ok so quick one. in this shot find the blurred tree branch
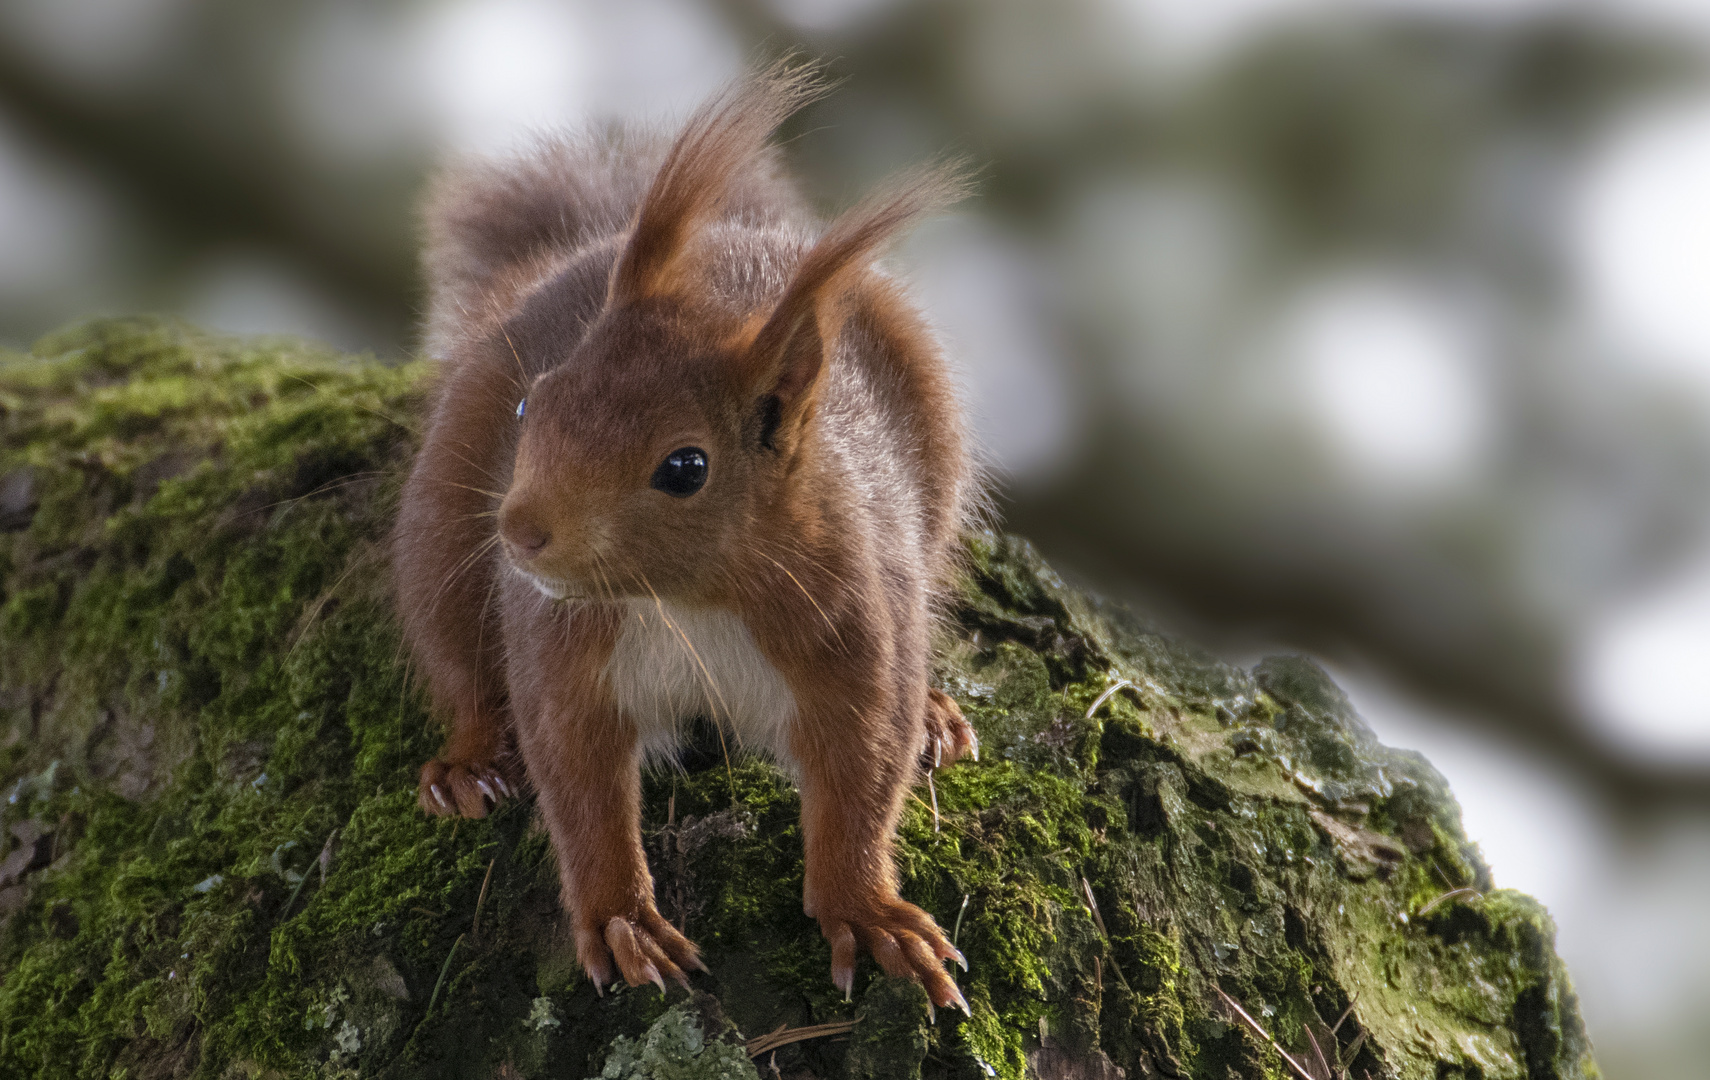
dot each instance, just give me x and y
(218, 177)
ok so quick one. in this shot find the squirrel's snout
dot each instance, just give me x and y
(526, 537)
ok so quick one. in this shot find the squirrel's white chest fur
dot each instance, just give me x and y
(672, 663)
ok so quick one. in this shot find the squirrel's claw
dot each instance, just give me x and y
(651, 974)
(843, 946)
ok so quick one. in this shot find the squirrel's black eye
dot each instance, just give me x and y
(682, 473)
(520, 406)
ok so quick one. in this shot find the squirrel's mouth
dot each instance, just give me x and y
(551, 587)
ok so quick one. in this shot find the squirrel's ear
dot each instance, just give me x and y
(786, 354)
(726, 133)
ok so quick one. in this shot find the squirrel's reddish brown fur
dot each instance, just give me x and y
(598, 306)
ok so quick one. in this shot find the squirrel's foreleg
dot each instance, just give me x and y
(581, 757)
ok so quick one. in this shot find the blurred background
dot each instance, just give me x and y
(1376, 329)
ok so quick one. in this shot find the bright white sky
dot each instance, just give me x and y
(1643, 241)
(1391, 381)
(1642, 249)
(1643, 668)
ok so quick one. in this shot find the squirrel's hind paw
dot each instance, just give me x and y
(948, 735)
(452, 788)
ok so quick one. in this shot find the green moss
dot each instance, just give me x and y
(206, 710)
(890, 1039)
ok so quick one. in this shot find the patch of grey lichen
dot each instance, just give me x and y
(213, 865)
(678, 1046)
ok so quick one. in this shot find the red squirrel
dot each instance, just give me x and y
(692, 454)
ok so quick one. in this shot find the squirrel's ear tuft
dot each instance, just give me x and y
(787, 353)
(726, 133)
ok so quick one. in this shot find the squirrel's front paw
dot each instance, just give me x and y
(469, 788)
(948, 734)
(903, 939)
(645, 947)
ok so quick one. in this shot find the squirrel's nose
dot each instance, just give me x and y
(521, 533)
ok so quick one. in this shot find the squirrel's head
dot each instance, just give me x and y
(647, 456)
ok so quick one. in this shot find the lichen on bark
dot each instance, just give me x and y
(214, 865)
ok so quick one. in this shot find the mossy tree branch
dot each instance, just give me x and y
(211, 744)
